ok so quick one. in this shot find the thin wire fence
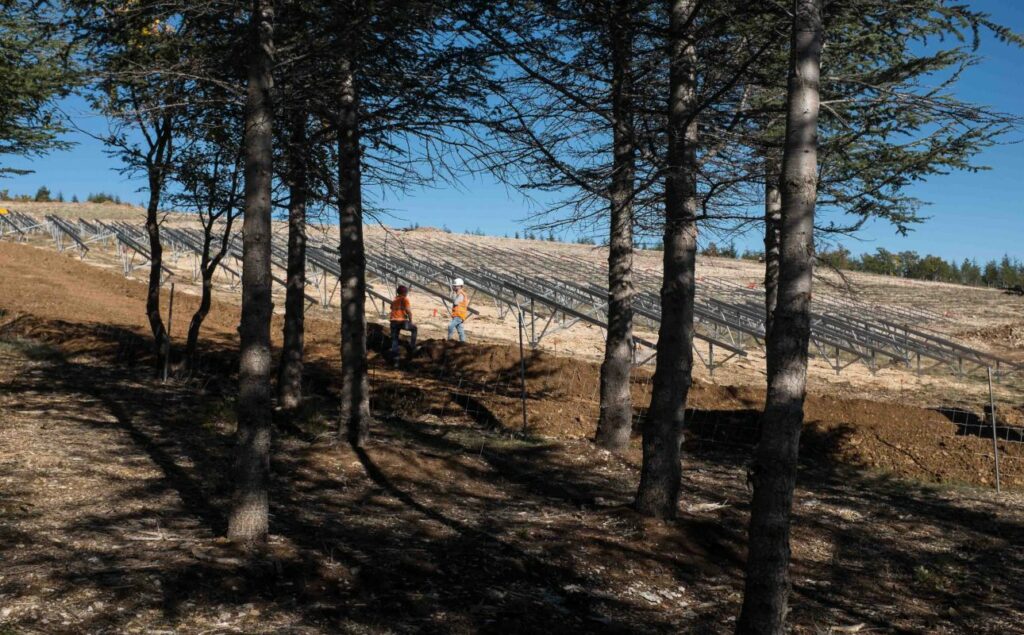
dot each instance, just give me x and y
(954, 442)
(998, 428)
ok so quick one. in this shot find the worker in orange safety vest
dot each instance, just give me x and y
(460, 310)
(401, 319)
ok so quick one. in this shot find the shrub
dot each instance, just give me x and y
(103, 197)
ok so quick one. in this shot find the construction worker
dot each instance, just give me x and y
(460, 310)
(401, 318)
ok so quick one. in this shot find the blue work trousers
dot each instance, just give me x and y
(456, 325)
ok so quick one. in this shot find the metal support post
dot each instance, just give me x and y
(167, 337)
(533, 329)
(995, 440)
(522, 368)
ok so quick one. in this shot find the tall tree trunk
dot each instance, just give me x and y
(156, 252)
(615, 424)
(192, 344)
(660, 474)
(207, 267)
(248, 522)
(355, 387)
(289, 379)
(775, 462)
(772, 227)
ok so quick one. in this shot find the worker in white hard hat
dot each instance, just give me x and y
(460, 310)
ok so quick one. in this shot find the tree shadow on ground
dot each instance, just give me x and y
(456, 526)
(401, 561)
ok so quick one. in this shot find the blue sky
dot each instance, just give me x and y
(975, 215)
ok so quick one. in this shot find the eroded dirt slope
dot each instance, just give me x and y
(902, 439)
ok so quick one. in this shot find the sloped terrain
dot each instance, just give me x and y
(562, 393)
(981, 318)
(113, 491)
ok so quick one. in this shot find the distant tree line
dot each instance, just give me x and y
(1001, 273)
(1005, 272)
(45, 195)
(42, 195)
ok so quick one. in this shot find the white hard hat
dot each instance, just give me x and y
(457, 282)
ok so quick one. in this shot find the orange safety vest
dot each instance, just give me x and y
(461, 310)
(400, 308)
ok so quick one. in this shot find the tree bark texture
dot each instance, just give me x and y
(661, 472)
(772, 227)
(155, 167)
(289, 379)
(192, 344)
(355, 387)
(775, 460)
(248, 522)
(615, 424)
(207, 267)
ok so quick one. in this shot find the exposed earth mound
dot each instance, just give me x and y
(44, 294)
(1005, 335)
(562, 402)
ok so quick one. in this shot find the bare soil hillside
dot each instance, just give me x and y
(967, 309)
(114, 489)
(88, 211)
(982, 318)
(920, 442)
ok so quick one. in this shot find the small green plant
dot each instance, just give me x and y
(929, 578)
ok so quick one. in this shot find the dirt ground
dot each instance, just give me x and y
(942, 441)
(113, 491)
(982, 318)
(114, 487)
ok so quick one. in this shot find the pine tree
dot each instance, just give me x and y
(289, 378)
(207, 172)
(658, 493)
(34, 75)
(249, 519)
(887, 124)
(392, 80)
(773, 471)
(134, 58)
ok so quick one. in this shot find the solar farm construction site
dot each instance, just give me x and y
(898, 428)
(865, 329)
(929, 345)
